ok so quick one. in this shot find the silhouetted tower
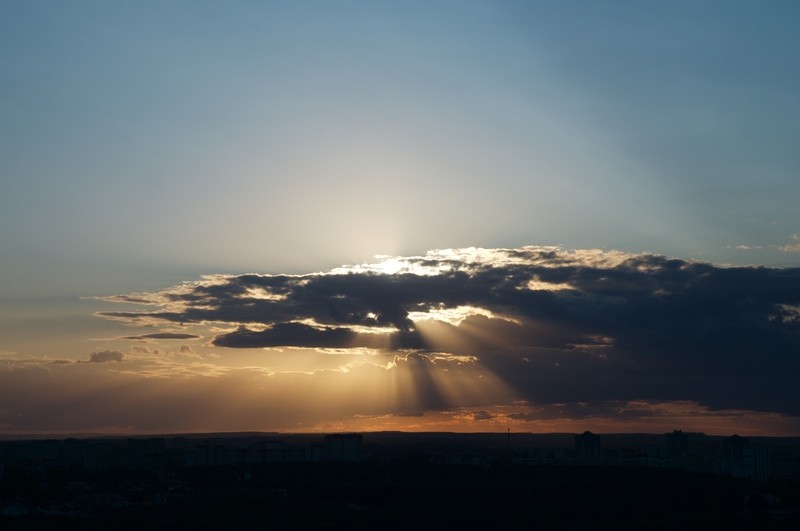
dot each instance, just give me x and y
(588, 448)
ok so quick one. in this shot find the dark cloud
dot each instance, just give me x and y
(163, 335)
(482, 415)
(557, 326)
(104, 356)
(302, 335)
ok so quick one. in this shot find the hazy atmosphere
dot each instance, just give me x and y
(423, 216)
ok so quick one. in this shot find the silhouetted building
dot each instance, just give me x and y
(740, 459)
(762, 464)
(733, 448)
(588, 448)
(342, 447)
(677, 445)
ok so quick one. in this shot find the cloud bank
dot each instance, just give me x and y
(555, 325)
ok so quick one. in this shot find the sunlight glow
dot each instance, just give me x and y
(394, 265)
(261, 293)
(536, 284)
(454, 316)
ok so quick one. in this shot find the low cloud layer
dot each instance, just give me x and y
(555, 326)
(165, 392)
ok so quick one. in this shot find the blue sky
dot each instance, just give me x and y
(143, 144)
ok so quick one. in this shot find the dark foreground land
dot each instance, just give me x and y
(402, 495)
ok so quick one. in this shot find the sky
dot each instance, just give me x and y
(351, 216)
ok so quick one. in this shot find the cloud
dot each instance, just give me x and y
(482, 415)
(162, 335)
(791, 247)
(104, 356)
(302, 335)
(555, 325)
